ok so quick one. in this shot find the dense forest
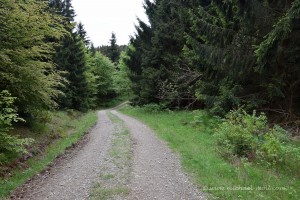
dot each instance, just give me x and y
(218, 55)
(234, 63)
(47, 63)
(113, 50)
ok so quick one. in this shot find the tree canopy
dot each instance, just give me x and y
(218, 54)
(26, 67)
(46, 63)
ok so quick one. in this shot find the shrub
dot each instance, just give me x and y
(249, 136)
(205, 120)
(152, 108)
(9, 144)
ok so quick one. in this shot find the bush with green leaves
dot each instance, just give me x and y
(152, 108)
(28, 37)
(249, 136)
(9, 144)
(206, 120)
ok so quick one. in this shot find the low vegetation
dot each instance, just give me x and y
(48, 140)
(246, 136)
(238, 157)
(50, 73)
(217, 55)
(115, 171)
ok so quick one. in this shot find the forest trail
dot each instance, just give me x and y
(122, 159)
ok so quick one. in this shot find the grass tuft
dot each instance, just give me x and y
(79, 126)
(192, 136)
(116, 169)
(108, 193)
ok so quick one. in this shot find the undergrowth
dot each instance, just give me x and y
(197, 137)
(115, 171)
(248, 136)
(51, 137)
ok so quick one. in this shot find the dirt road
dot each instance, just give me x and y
(123, 159)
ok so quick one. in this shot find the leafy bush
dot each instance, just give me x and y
(9, 144)
(248, 136)
(208, 122)
(152, 108)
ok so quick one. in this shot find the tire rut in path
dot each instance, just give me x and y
(156, 170)
(72, 180)
(116, 168)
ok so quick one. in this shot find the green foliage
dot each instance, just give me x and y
(248, 136)
(122, 83)
(280, 30)
(82, 34)
(26, 69)
(89, 76)
(196, 146)
(103, 71)
(158, 71)
(9, 144)
(114, 53)
(152, 108)
(206, 120)
(219, 54)
(73, 123)
(240, 133)
(71, 58)
(113, 50)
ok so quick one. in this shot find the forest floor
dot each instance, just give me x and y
(121, 159)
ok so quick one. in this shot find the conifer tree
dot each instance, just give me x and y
(159, 48)
(82, 33)
(71, 59)
(113, 49)
(92, 49)
(221, 42)
(218, 53)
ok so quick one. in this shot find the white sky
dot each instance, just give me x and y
(102, 17)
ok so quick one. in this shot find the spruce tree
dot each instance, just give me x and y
(160, 63)
(70, 58)
(82, 33)
(218, 53)
(113, 49)
(221, 43)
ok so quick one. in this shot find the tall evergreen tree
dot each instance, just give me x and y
(114, 52)
(93, 49)
(70, 57)
(221, 43)
(220, 53)
(82, 33)
(164, 75)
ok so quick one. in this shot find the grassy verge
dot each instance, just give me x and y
(115, 172)
(67, 131)
(196, 144)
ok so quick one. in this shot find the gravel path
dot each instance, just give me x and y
(156, 170)
(151, 171)
(72, 180)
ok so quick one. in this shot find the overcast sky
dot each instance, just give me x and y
(102, 17)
